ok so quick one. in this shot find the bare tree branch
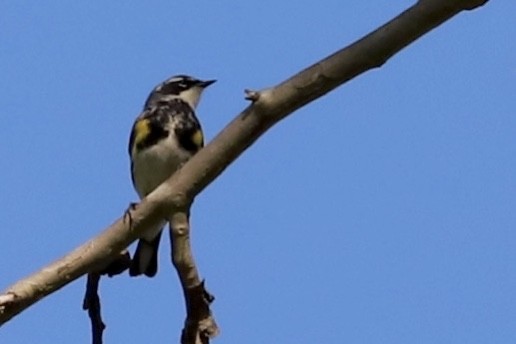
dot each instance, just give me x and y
(269, 107)
(199, 326)
(91, 302)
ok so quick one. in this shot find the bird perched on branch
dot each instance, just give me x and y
(164, 136)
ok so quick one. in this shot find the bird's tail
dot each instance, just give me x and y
(145, 259)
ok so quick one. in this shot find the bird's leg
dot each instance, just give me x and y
(127, 214)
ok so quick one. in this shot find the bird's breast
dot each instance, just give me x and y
(154, 164)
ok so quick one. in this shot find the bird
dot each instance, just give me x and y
(163, 137)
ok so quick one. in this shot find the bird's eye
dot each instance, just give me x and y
(182, 85)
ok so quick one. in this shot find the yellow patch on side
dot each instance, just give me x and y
(198, 139)
(141, 132)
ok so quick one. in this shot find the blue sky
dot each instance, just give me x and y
(381, 213)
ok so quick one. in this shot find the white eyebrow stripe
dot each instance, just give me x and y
(169, 81)
(175, 79)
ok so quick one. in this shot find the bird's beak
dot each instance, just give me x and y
(206, 83)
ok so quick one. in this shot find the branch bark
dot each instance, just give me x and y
(91, 301)
(200, 326)
(269, 107)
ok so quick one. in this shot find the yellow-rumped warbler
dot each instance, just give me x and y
(164, 136)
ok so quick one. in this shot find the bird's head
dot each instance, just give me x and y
(184, 87)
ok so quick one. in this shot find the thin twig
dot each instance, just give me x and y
(200, 326)
(91, 301)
